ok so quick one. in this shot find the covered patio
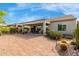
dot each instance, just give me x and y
(36, 26)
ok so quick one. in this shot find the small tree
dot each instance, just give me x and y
(2, 14)
(77, 36)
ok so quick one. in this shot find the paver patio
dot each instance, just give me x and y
(28, 44)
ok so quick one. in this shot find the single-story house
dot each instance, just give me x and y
(63, 24)
(4, 25)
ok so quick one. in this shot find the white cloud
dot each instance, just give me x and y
(49, 7)
(67, 9)
(11, 14)
(28, 18)
(72, 9)
(19, 6)
(44, 6)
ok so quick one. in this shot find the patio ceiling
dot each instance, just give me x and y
(36, 24)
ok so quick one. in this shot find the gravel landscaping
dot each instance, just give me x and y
(69, 52)
(32, 45)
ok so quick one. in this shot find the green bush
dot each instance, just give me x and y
(13, 30)
(54, 35)
(4, 29)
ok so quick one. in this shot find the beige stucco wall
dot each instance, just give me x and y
(70, 26)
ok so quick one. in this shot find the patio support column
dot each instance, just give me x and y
(44, 27)
(22, 28)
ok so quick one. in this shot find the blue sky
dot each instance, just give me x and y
(23, 12)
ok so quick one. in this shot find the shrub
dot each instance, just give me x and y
(4, 29)
(73, 42)
(63, 41)
(63, 46)
(54, 35)
(76, 33)
(13, 30)
(48, 33)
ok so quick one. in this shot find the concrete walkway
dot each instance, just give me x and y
(28, 44)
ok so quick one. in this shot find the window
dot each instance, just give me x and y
(61, 27)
